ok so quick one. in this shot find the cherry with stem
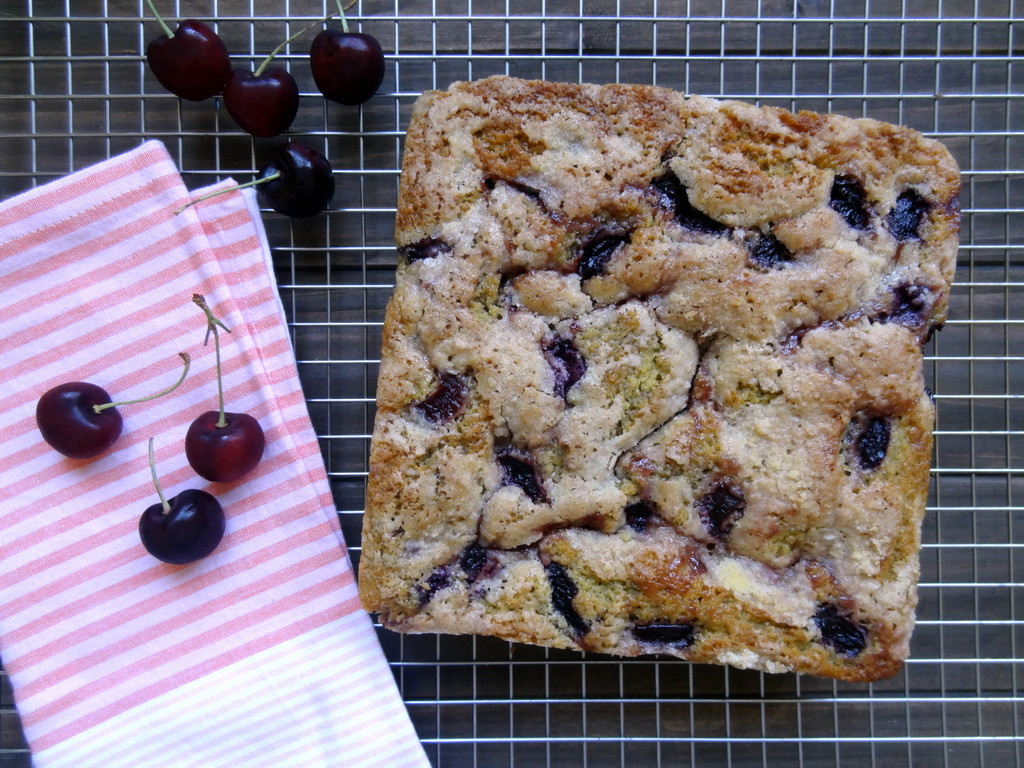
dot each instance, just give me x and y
(191, 62)
(298, 182)
(222, 446)
(264, 103)
(79, 419)
(347, 67)
(186, 528)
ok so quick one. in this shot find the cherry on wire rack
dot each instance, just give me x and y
(347, 67)
(191, 62)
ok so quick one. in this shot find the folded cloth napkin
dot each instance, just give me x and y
(259, 654)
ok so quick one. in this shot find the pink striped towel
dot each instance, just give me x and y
(258, 655)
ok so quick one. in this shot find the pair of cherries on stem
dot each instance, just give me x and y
(221, 447)
(348, 67)
(79, 420)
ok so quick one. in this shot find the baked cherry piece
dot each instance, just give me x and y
(446, 402)
(675, 635)
(563, 590)
(839, 631)
(720, 507)
(186, 528)
(222, 447)
(298, 182)
(190, 62)
(79, 420)
(348, 67)
(850, 201)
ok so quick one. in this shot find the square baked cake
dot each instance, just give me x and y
(651, 379)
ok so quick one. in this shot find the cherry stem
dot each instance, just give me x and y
(212, 324)
(281, 47)
(185, 358)
(156, 480)
(159, 18)
(208, 195)
(301, 32)
(344, 21)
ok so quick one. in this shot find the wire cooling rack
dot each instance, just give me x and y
(75, 89)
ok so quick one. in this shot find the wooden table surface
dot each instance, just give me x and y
(76, 90)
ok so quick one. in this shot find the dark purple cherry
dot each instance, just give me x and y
(518, 469)
(441, 578)
(849, 200)
(190, 62)
(598, 252)
(720, 507)
(675, 198)
(563, 590)
(428, 248)
(639, 516)
(674, 635)
(185, 529)
(566, 363)
(911, 306)
(447, 400)
(263, 103)
(79, 420)
(839, 631)
(220, 446)
(473, 560)
(905, 217)
(298, 182)
(871, 442)
(348, 67)
(767, 252)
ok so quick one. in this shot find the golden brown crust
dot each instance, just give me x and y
(651, 377)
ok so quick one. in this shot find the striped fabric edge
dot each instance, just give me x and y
(234, 719)
(296, 431)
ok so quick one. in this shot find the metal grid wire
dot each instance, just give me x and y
(75, 90)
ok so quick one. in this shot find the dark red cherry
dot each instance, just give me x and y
(447, 400)
(348, 67)
(79, 420)
(191, 62)
(224, 453)
(303, 182)
(263, 103)
(69, 422)
(222, 446)
(186, 528)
